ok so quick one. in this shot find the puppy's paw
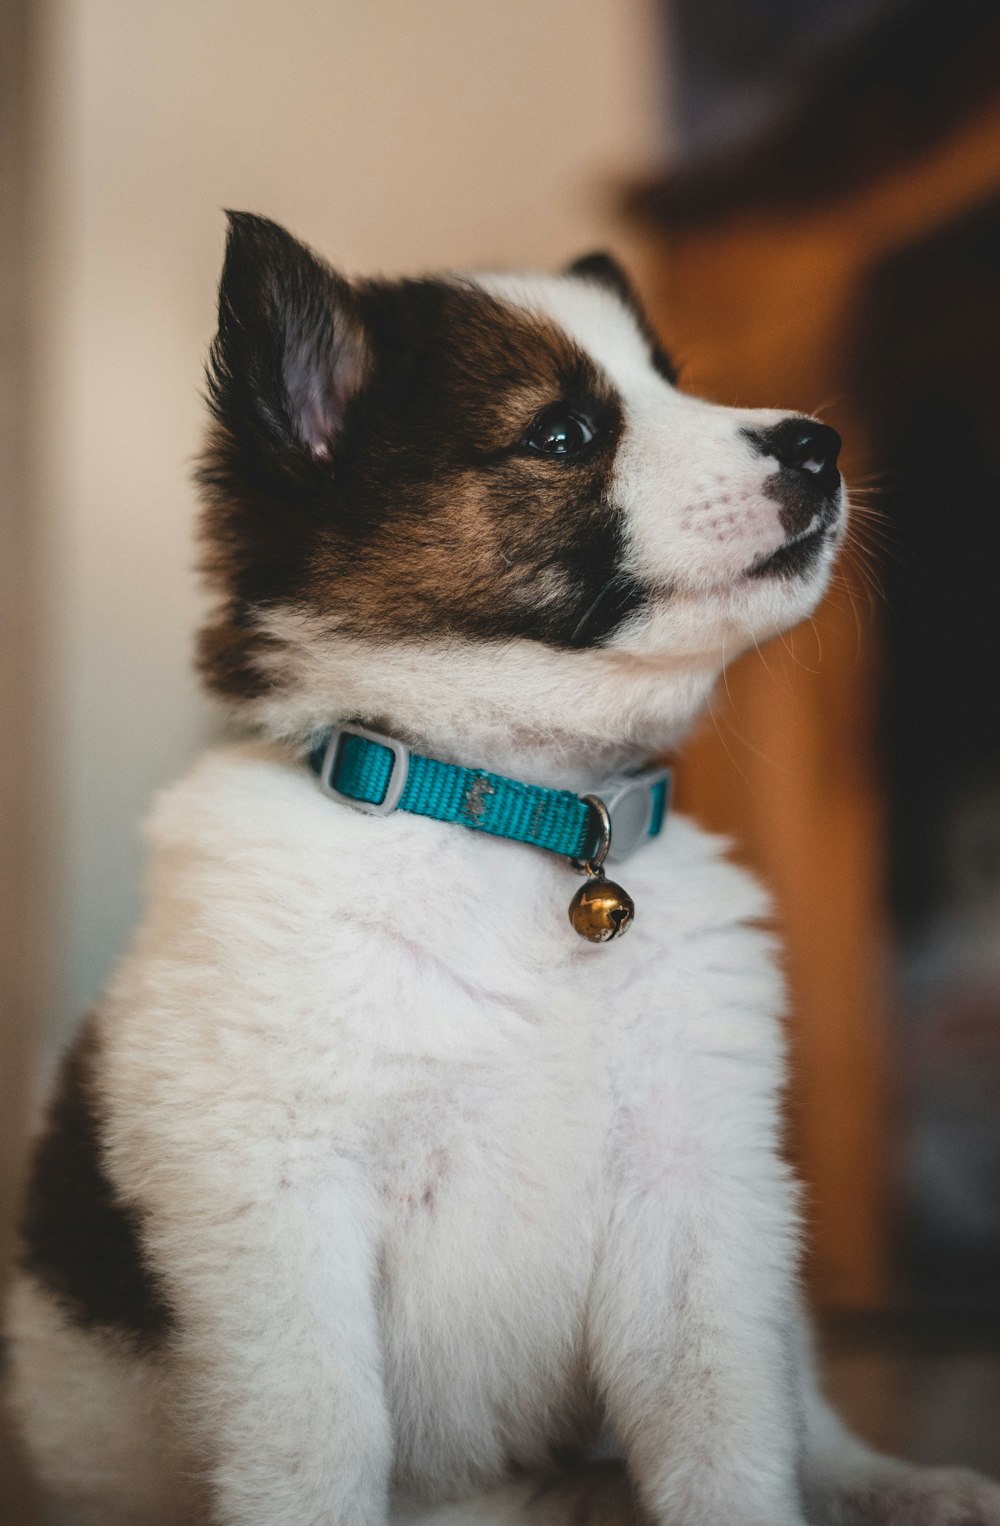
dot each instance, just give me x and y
(919, 1497)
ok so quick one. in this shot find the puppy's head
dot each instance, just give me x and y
(471, 507)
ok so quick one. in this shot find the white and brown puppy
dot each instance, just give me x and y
(371, 1192)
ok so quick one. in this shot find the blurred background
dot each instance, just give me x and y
(808, 194)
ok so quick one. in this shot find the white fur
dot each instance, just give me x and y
(434, 1186)
(100, 1423)
(689, 483)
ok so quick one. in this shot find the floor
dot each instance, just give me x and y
(925, 1390)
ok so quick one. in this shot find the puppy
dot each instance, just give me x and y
(372, 1192)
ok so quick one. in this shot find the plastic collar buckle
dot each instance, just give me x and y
(397, 778)
(628, 800)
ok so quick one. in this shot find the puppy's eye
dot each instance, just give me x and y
(560, 431)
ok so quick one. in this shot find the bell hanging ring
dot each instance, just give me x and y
(600, 910)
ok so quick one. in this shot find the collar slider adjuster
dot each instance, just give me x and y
(397, 778)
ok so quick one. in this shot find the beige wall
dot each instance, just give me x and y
(394, 135)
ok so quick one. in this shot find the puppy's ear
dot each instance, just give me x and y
(290, 352)
(604, 270)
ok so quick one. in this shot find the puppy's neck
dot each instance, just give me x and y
(568, 719)
(516, 752)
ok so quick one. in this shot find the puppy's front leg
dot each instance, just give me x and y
(279, 1357)
(690, 1341)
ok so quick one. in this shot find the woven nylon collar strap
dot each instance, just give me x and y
(378, 774)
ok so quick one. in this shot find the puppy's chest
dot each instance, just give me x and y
(413, 996)
(513, 1124)
(498, 1102)
(438, 1016)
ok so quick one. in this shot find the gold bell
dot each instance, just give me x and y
(601, 910)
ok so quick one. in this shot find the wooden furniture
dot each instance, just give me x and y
(758, 299)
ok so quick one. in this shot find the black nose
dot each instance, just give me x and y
(803, 446)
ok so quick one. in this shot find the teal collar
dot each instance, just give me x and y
(379, 775)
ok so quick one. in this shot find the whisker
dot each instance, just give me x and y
(725, 745)
(763, 659)
(581, 624)
(857, 558)
(748, 746)
(841, 584)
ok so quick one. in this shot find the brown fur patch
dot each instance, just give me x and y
(78, 1239)
(428, 514)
